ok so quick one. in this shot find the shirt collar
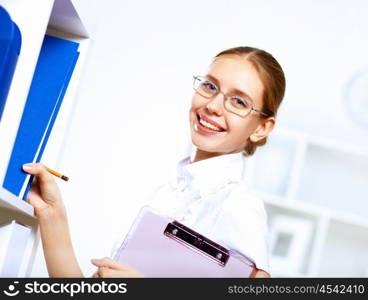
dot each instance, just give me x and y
(212, 173)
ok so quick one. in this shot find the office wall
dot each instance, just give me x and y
(131, 120)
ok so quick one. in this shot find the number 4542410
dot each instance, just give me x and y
(342, 289)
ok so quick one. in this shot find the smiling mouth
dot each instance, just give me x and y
(208, 125)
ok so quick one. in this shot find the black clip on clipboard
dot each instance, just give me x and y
(197, 242)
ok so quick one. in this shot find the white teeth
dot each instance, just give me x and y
(208, 125)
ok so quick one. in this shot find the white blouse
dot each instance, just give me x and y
(211, 197)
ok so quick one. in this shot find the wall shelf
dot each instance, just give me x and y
(11, 202)
(322, 181)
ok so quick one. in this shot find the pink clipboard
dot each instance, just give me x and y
(158, 246)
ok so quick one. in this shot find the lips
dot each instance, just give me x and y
(208, 125)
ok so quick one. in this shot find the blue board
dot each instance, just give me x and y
(10, 44)
(54, 68)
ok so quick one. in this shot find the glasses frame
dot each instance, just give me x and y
(226, 97)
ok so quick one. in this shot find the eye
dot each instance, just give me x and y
(209, 86)
(239, 102)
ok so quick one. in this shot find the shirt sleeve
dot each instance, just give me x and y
(243, 224)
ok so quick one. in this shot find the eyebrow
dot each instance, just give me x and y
(235, 91)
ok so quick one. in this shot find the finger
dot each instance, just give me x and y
(39, 170)
(34, 190)
(48, 189)
(35, 187)
(104, 272)
(107, 263)
(34, 198)
(95, 275)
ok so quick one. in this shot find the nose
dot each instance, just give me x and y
(216, 104)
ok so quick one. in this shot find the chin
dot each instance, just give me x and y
(205, 146)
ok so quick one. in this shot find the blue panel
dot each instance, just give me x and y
(53, 71)
(58, 104)
(53, 118)
(10, 43)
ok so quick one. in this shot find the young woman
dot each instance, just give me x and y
(233, 110)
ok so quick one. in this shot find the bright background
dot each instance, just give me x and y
(130, 124)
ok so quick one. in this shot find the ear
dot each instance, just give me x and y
(263, 129)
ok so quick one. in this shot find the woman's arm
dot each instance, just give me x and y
(45, 197)
(57, 247)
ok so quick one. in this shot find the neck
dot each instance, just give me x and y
(201, 155)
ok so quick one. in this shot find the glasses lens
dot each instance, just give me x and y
(238, 105)
(205, 87)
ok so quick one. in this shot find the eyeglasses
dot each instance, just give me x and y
(233, 103)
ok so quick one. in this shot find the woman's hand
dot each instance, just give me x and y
(108, 268)
(44, 195)
(261, 274)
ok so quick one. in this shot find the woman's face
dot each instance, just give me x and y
(233, 75)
